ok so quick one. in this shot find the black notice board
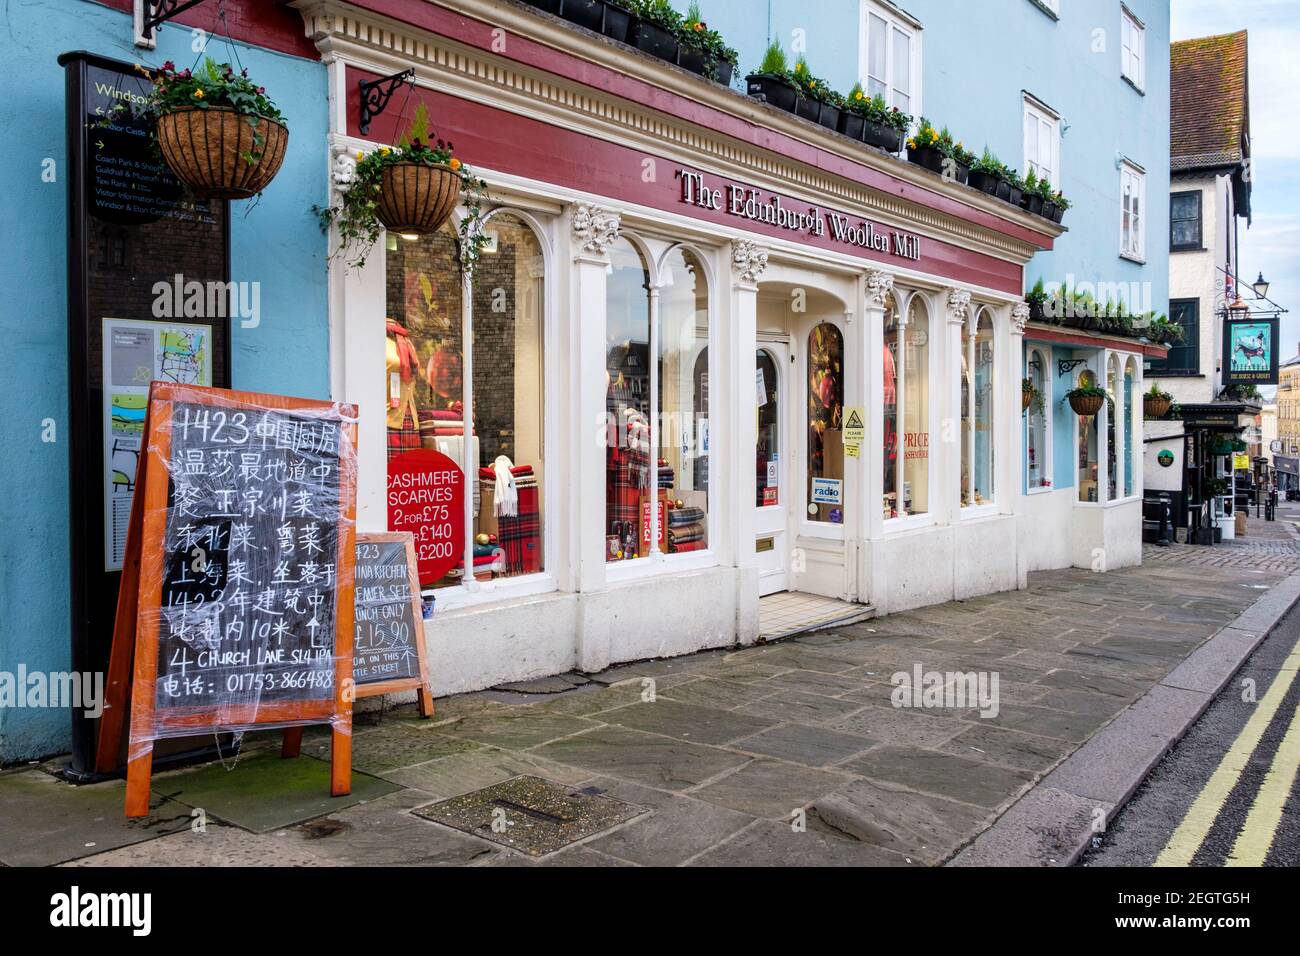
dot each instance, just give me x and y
(388, 632)
(250, 578)
(130, 226)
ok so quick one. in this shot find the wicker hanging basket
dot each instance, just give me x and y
(1155, 407)
(417, 197)
(1026, 399)
(221, 154)
(1086, 404)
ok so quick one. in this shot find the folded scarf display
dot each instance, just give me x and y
(692, 532)
(681, 516)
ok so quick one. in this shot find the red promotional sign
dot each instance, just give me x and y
(426, 496)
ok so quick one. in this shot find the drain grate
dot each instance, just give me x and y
(531, 815)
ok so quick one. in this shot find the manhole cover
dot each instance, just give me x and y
(531, 815)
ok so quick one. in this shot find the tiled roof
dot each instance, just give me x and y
(1209, 117)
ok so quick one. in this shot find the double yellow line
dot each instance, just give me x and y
(1257, 833)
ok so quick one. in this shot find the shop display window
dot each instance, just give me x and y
(1113, 490)
(768, 452)
(1130, 411)
(684, 403)
(1086, 446)
(424, 375)
(907, 412)
(981, 490)
(656, 503)
(825, 486)
(1037, 461)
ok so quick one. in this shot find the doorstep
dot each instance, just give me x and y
(793, 612)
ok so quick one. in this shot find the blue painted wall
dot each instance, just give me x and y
(278, 244)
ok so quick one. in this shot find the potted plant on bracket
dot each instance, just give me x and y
(1156, 403)
(1087, 399)
(409, 188)
(217, 130)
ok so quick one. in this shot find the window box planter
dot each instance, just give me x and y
(1058, 213)
(617, 23)
(1032, 203)
(550, 6)
(808, 108)
(723, 71)
(772, 90)
(222, 154)
(1037, 311)
(885, 137)
(655, 40)
(585, 13)
(1014, 195)
(1153, 407)
(693, 59)
(984, 182)
(1049, 211)
(830, 116)
(417, 197)
(927, 157)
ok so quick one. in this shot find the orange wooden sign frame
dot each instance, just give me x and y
(133, 664)
(424, 696)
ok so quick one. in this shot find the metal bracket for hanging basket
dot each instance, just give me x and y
(1065, 366)
(375, 95)
(158, 12)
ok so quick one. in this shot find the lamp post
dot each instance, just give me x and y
(1260, 286)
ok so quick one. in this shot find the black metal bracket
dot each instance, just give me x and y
(1065, 366)
(375, 95)
(162, 11)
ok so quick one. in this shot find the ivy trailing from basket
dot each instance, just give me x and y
(1031, 396)
(357, 215)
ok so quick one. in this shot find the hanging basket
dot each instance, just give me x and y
(1085, 405)
(1026, 399)
(221, 154)
(1155, 407)
(416, 197)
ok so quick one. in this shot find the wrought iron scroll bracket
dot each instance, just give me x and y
(375, 95)
(158, 12)
(1065, 366)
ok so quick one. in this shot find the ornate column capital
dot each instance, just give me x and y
(748, 260)
(594, 229)
(1019, 316)
(958, 306)
(879, 286)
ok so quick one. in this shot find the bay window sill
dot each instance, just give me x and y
(908, 523)
(475, 593)
(971, 512)
(653, 565)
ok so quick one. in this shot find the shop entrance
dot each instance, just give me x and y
(772, 459)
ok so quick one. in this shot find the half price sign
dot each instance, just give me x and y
(426, 496)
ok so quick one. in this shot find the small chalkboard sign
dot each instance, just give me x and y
(236, 608)
(388, 648)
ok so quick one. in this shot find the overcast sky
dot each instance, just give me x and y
(1272, 243)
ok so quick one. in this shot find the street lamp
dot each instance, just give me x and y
(1260, 286)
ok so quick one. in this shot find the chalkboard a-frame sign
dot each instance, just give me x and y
(236, 606)
(388, 648)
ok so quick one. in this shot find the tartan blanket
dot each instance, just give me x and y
(692, 532)
(520, 536)
(682, 516)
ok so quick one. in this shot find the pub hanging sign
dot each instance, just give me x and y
(1250, 351)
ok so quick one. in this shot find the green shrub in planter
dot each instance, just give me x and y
(772, 80)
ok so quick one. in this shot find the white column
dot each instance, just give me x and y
(593, 230)
(953, 434)
(740, 344)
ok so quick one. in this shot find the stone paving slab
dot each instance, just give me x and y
(44, 820)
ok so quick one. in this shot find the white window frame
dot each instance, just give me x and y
(1132, 48)
(1135, 248)
(1042, 116)
(927, 517)
(1045, 469)
(894, 19)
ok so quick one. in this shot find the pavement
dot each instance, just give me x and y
(788, 753)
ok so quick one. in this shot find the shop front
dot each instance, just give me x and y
(708, 352)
